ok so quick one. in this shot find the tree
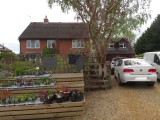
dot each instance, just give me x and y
(7, 57)
(149, 40)
(107, 18)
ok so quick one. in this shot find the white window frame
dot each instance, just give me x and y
(122, 45)
(32, 43)
(111, 45)
(78, 44)
(51, 41)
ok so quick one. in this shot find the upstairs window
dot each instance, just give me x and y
(51, 43)
(111, 45)
(33, 44)
(122, 45)
(77, 44)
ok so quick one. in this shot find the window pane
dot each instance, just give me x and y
(122, 45)
(28, 43)
(33, 43)
(74, 43)
(37, 45)
(51, 43)
(77, 44)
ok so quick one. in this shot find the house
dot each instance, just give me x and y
(66, 37)
(4, 49)
(120, 47)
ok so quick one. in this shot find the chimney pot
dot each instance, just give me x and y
(46, 19)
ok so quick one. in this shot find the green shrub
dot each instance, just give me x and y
(50, 51)
(20, 71)
(139, 56)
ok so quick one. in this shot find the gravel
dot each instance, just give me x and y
(129, 102)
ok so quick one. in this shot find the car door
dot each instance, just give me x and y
(156, 63)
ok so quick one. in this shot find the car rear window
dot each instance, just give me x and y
(135, 62)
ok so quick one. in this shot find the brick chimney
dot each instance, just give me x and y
(46, 19)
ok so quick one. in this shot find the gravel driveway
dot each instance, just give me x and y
(129, 102)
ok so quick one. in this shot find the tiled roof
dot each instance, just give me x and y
(51, 30)
(121, 51)
(3, 48)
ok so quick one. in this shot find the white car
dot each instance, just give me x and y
(135, 70)
(154, 59)
(113, 62)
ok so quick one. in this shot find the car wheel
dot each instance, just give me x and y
(119, 81)
(151, 84)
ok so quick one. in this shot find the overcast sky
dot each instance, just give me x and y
(17, 14)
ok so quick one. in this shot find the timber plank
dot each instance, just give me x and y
(36, 116)
(37, 90)
(41, 111)
(70, 85)
(43, 106)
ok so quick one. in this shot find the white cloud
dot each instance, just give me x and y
(17, 14)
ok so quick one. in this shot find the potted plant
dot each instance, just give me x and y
(65, 92)
(59, 97)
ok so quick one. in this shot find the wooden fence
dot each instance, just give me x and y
(96, 76)
(49, 63)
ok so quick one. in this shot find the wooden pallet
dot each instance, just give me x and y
(42, 111)
(97, 78)
(72, 81)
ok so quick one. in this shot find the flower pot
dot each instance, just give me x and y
(59, 100)
(66, 96)
(73, 96)
(59, 97)
(48, 100)
(79, 96)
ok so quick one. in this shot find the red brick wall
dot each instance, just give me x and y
(24, 49)
(64, 47)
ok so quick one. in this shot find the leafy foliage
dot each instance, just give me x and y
(50, 51)
(149, 40)
(107, 18)
(140, 55)
(20, 71)
(8, 54)
(5, 57)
